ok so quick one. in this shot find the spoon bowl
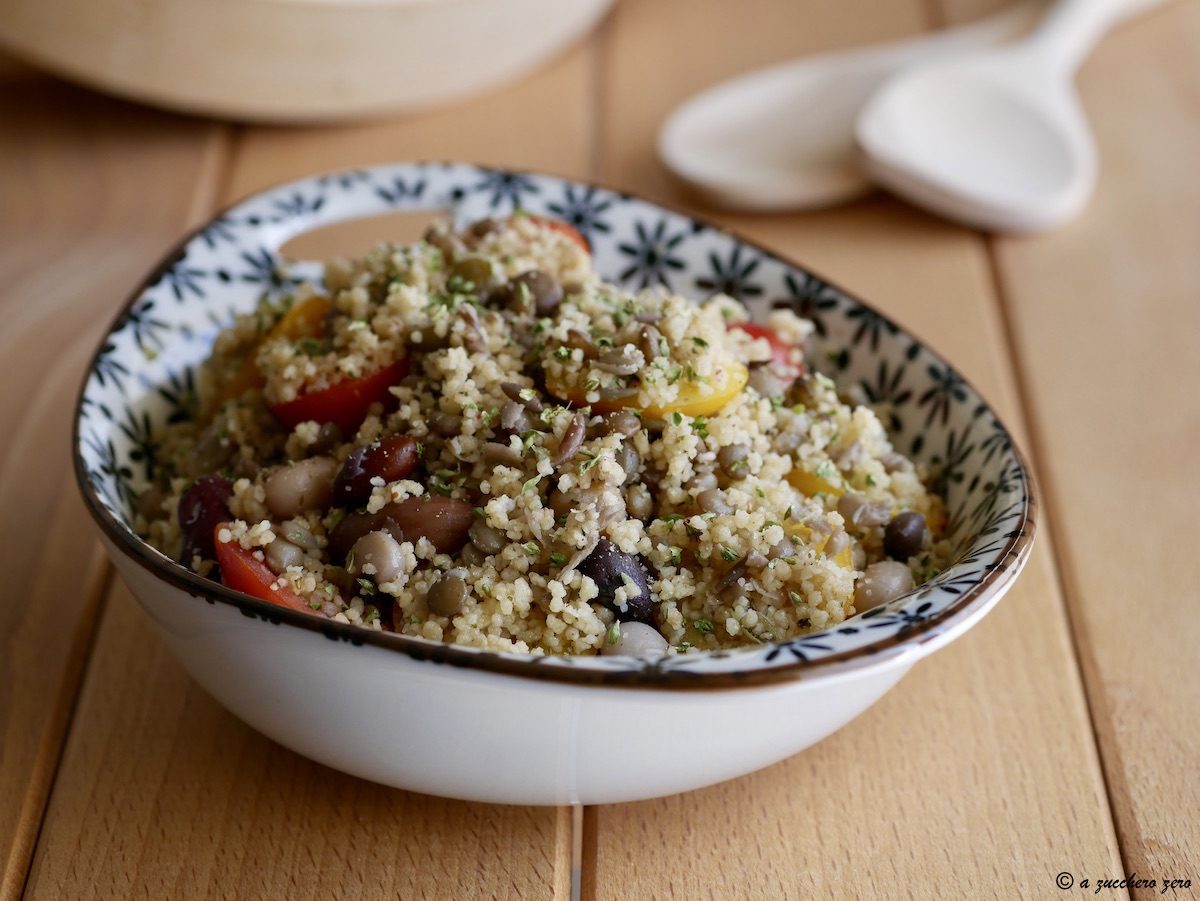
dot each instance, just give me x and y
(997, 140)
(990, 142)
(782, 138)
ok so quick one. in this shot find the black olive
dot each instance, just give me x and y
(201, 508)
(904, 535)
(611, 569)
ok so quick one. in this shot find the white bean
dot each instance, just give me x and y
(882, 582)
(380, 551)
(637, 640)
(305, 485)
(281, 554)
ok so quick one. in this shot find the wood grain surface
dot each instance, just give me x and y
(1058, 736)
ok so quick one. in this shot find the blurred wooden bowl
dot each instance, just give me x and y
(291, 61)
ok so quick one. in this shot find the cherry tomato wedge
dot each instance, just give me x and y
(242, 571)
(781, 353)
(562, 227)
(345, 404)
(690, 401)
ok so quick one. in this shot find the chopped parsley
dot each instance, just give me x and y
(310, 347)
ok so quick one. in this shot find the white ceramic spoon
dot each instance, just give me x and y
(997, 140)
(783, 137)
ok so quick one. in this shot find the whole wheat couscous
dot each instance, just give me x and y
(475, 439)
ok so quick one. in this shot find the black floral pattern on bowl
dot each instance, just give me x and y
(143, 375)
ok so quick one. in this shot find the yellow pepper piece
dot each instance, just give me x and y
(690, 401)
(842, 558)
(811, 484)
(304, 320)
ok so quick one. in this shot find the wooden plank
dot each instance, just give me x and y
(978, 775)
(163, 794)
(1105, 317)
(665, 53)
(77, 230)
(543, 123)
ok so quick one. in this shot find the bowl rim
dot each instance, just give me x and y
(917, 639)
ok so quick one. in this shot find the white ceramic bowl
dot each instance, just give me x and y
(294, 60)
(503, 727)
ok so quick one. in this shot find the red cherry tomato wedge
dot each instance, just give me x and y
(242, 571)
(782, 354)
(344, 404)
(562, 227)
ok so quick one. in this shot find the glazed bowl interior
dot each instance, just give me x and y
(145, 369)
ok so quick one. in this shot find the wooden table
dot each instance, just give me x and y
(1059, 736)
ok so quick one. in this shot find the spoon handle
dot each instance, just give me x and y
(1072, 27)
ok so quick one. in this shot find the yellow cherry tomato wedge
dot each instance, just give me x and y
(689, 402)
(843, 558)
(304, 320)
(811, 484)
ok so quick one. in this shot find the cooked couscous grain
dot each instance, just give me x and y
(474, 439)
